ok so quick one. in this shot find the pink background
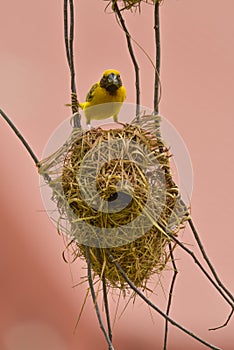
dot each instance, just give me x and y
(39, 307)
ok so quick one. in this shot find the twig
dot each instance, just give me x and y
(95, 301)
(225, 323)
(205, 256)
(25, 143)
(175, 272)
(106, 305)
(191, 253)
(131, 52)
(156, 110)
(105, 296)
(73, 83)
(142, 296)
(20, 136)
(158, 57)
(65, 20)
(70, 59)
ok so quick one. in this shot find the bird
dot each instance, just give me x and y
(105, 97)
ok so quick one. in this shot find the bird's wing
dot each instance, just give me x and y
(90, 94)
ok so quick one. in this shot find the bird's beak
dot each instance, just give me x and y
(112, 79)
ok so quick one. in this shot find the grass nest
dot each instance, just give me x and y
(133, 4)
(114, 190)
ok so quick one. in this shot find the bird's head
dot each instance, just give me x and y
(111, 81)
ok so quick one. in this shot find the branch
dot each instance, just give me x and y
(158, 57)
(20, 136)
(131, 52)
(205, 256)
(95, 300)
(70, 58)
(175, 272)
(142, 296)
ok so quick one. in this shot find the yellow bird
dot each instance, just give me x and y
(105, 97)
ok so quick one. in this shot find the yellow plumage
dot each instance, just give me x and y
(105, 98)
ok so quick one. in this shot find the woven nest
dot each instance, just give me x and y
(114, 190)
(133, 4)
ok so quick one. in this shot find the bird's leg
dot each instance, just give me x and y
(88, 122)
(115, 118)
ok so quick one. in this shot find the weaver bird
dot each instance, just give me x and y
(105, 97)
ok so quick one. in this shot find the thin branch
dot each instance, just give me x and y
(158, 57)
(69, 53)
(205, 256)
(225, 323)
(95, 301)
(72, 68)
(105, 297)
(25, 143)
(69, 39)
(131, 52)
(157, 74)
(191, 253)
(65, 19)
(142, 296)
(156, 110)
(20, 136)
(175, 272)
(106, 305)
